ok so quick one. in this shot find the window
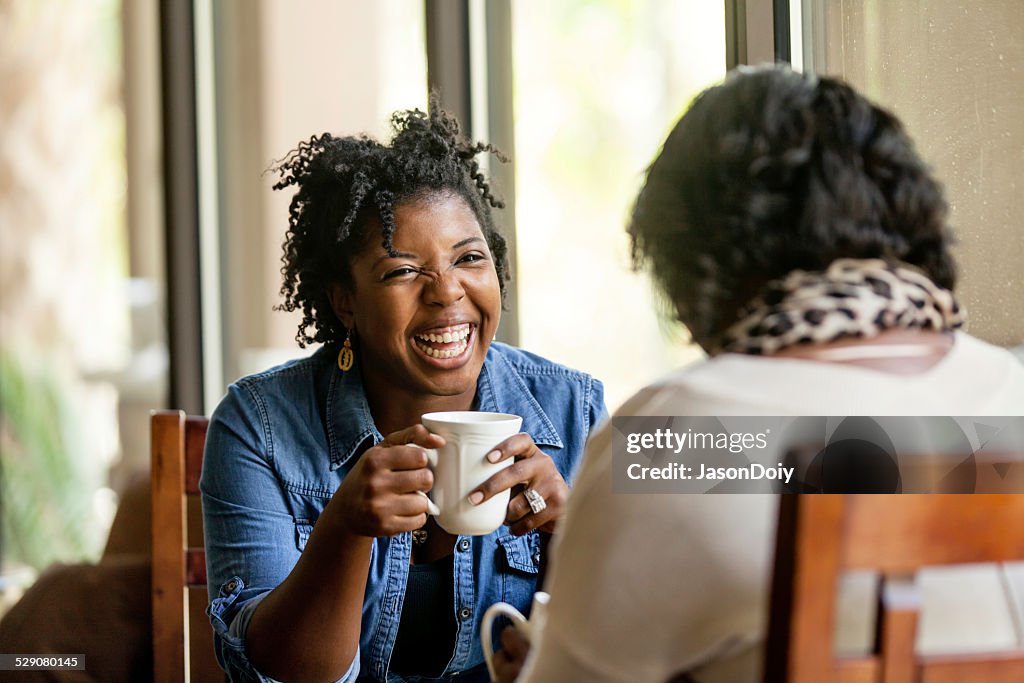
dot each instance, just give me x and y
(68, 309)
(287, 71)
(598, 86)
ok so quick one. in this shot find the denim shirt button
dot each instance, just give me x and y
(231, 585)
(465, 613)
(464, 545)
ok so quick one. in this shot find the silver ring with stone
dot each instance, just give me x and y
(535, 500)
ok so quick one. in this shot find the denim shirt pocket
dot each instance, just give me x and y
(522, 553)
(519, 574)
(303, 528)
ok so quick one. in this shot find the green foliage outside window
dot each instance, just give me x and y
(45, 495)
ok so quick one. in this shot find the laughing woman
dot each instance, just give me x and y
(313, 469)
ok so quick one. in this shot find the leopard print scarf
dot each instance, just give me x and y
(851, 298)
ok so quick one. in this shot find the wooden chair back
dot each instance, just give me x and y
(822, 536)
(180, 653)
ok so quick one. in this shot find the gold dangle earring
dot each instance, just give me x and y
(345, 357)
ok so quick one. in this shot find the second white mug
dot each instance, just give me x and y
(528, 627)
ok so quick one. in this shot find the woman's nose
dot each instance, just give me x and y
(444, 289)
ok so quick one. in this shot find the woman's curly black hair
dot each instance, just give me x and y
(346, 184)
(773, 171)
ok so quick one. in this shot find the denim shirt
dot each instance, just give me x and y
(279, 445)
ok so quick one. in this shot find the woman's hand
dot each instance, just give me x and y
(532, 469)
(508, 661)
(382, 496)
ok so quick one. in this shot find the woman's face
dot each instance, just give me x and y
(425, 318)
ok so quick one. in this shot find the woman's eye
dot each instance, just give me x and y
(399, 272)
(471, 257)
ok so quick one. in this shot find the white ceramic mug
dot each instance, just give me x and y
(528, 627)
(460, 466)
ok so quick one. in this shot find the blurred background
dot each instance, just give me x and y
(140, 240)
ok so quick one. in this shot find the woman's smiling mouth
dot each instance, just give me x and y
(445, 344)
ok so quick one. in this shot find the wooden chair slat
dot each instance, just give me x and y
(898, 534)
(168, 531)
(195, 568)
(195, 440)
(177, 454)
(1004, 667)
(855, 670)
(807, 552)
(898, 607)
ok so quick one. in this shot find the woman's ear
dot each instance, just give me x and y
(341, 304)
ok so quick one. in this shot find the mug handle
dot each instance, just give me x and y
(432, 509)
(495, 610)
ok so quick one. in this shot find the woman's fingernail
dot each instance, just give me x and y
(493, 456)
(476, 497)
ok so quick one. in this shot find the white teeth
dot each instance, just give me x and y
(457, 334)
(444, 353)
(453, 335)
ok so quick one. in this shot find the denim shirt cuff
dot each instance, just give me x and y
(237, 661)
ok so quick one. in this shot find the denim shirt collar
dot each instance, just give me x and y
(499, 389)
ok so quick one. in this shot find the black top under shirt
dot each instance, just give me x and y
(426, 630)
